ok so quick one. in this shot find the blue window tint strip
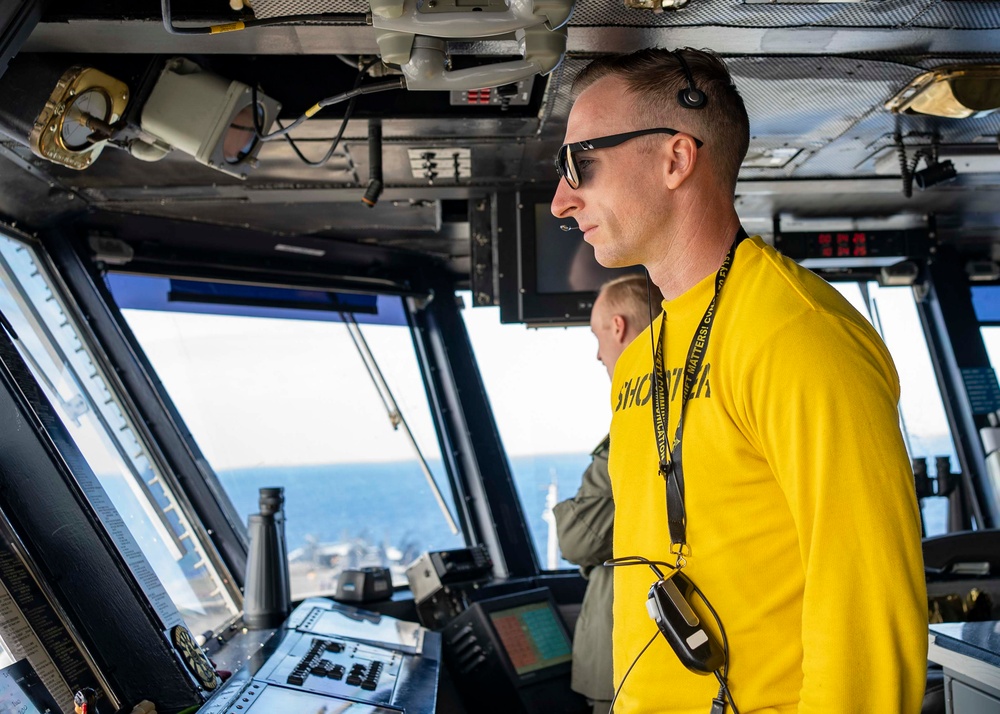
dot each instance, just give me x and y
(139, 292)
(256, 296)
(986, 303)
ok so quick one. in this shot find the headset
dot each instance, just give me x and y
(691, 97)
(669, 604)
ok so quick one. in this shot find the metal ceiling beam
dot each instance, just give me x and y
(786, 40)
(200, 194)
(818, 186)
(251, 194)
(148, 36)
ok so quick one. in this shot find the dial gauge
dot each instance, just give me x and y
(74, 130)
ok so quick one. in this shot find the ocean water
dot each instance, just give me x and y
(386, 506)
(388, 512)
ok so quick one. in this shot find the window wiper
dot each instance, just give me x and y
(396, 417)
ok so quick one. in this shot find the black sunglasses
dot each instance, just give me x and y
(566, 158)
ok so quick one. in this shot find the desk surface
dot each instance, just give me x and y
(971, 649)
(979, 640)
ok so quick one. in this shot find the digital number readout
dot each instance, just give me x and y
(843, 245)
(853, 246)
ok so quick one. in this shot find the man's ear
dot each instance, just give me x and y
(618, 327)
(681, 155)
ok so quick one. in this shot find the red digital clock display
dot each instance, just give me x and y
(851, 247)
(843, 245)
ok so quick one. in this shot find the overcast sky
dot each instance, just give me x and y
(259, 391)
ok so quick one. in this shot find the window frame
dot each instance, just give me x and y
(93, 314)
(935, 332)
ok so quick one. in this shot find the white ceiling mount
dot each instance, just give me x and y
(414, 35)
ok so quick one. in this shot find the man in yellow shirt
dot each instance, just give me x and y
(785, 492)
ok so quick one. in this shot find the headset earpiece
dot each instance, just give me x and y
(692, 97)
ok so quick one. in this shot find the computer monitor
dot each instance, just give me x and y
(548, 273)
(533, 637)
(512, 654)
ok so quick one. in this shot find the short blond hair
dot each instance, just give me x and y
(654, 76)
(634, 297)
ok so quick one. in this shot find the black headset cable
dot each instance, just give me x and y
(348, 113)
(723, 677)
(325, 18)
(618, 691)
(395, 83)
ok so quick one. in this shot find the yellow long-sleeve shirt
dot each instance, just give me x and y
(801, 513)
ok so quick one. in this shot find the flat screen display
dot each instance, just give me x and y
(532, 636)
(22, 692)
(565, 263)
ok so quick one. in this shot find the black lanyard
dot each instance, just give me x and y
(670, 460)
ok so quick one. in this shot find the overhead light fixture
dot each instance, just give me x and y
(954, 91)
(205, 116)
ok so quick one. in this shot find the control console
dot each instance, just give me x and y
(439, 579)
(335, 666)
(334, 657)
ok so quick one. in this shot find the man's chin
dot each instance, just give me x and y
(610, 260)
(608, 253)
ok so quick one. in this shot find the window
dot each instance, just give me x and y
(62, 361)
(991, 338)
(922, 417)
(986, 302)
(287, 402)
(551, 399)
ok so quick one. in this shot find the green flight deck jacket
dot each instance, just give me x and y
(584, 525)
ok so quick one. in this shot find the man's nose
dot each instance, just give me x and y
(566, 201)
